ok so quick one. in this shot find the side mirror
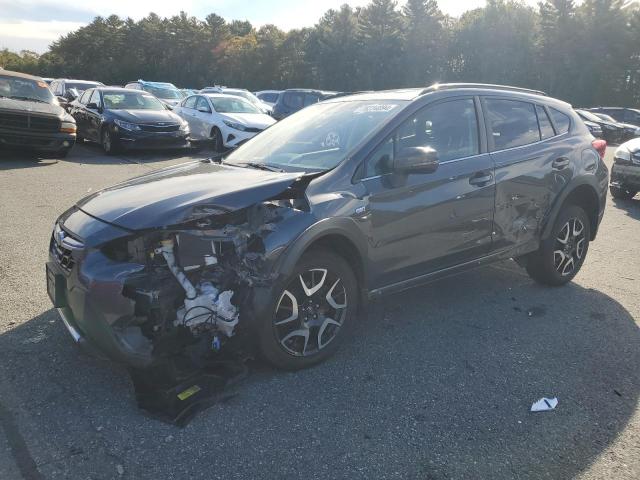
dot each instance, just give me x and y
(73, 93)
(93, 106)
(416, 160)
(203, 110)
(62, 100)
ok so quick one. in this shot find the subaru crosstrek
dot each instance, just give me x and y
(284, 239)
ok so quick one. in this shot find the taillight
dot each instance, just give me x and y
(601, 146)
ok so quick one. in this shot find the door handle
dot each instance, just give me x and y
(480, 179)
(560, 163)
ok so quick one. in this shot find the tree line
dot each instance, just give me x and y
(587, 53)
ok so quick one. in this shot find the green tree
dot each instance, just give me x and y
(426, 40)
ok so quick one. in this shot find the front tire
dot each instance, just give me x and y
(216, 138)
(561, 256)
(622, 192)
(312, 312)
(109, 145)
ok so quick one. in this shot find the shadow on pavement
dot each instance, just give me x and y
(630, 207)
(436, 384)
(92, 154)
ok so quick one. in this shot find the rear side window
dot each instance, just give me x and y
(293, 100)
(560, 120)
(310, 99)
(632, 117)
(513, 123)
(546, 130)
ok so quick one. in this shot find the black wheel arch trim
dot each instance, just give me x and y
(576, 183)
(339, 226)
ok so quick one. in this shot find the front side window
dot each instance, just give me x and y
(381, 161)
(190, 102)
(202, 105)
(546, 130)
(450, 128)
(513, 123)
(631, 116)
(84, 99)
(317, 138)
(95, 98)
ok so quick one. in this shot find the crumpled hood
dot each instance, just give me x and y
(52, 109)
(167, 197)
(146, 116)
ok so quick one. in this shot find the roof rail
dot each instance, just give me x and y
(448, 86)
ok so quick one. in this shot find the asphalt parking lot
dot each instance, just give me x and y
(436, 383)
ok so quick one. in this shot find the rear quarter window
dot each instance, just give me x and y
(560, 120)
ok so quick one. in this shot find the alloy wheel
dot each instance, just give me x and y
(569, 247)
(310, 312)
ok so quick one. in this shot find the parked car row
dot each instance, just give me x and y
(614, 130)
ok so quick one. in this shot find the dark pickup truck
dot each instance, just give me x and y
(30, 116)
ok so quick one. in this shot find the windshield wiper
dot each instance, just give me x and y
(27, 99)
(263, 166)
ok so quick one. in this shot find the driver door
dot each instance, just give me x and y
(424, 222)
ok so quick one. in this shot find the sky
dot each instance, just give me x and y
(34, 24)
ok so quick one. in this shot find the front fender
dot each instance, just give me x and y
(341, 226)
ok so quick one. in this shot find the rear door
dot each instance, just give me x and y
(429, 221)
(533, 163)
(203, 117)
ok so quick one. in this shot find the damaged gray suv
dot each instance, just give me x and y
(282, 241)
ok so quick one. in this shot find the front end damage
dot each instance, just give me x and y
(195, 289)
(169, 301)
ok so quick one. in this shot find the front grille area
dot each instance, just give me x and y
(27, 121)
(160, 128)
(253, 129)
(62, 246)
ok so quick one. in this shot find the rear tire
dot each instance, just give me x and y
(561, 256)
(622, 192)
(311, 312)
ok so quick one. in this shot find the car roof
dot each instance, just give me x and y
(155, 84)
(77, 80)
(410, 94)
(20, 75)
(310, 90)
(119, 89)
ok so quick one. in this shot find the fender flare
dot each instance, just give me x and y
(341, 226)
(575, 183)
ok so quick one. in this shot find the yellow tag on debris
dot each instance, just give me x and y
(188, 392)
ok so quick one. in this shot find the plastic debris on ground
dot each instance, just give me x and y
(544, 404)
(173, 395)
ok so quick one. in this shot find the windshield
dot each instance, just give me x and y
(232, 104)
(25, 89)
(317, 138)
(130, 101)
(81, 86)
(244, 94)
(166, 93)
